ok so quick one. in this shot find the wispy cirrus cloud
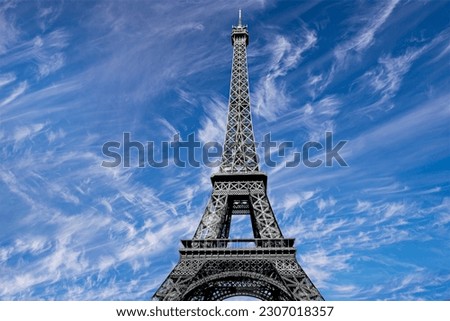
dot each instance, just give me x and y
(292, 201)
(170, 130)
(7, 78)
(364, 38)
(24, 132)
(9, 34)
(319, 117)
(386, 78)
(323, 204)
(271, 97)
(348, 52)
(320, 265)
(19, 90)
(414, 123)
(213, 124)
(314, 117)
(48, 14)
(44, 53)
(72, 249)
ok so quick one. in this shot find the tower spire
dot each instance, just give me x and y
(240, 18)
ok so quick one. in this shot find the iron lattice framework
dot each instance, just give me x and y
(214, 267)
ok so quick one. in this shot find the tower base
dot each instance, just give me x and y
(211, 270)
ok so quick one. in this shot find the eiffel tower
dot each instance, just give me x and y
(214, 267)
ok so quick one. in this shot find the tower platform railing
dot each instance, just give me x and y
(238, 243)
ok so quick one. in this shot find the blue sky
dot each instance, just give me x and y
(76, 74)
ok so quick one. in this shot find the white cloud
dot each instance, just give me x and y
(19, 90)
(442, 53)
(9, 33)
(6, 79)
(315, 118)
(436, 189)
(323, 204)
(51, 64)
(26, 132)
(187, 97)
(346, 289)
(365, 37)
(386, 78)
(31, 244)
(399, 131)
(43, 53)
(442, 212)
(213, 125)
(48, 15)
(107, 205)
(169, 127)
(53, 136)
(362, 206)
(394, 209)
(190, 26)
(292, 201)
(350, 49)
(47, 52)
(62, 256)
(321, 265)
(271, 98)
(157, 240)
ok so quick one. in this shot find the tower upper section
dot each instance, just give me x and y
(239, 151)
(240, 31)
